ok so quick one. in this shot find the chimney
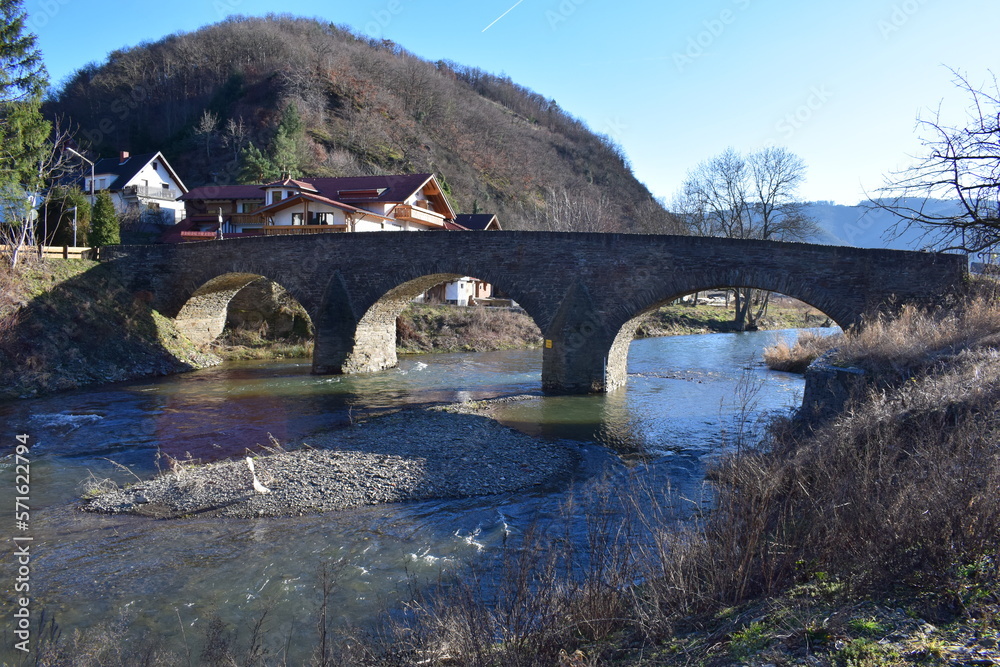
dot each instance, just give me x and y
(123, 157)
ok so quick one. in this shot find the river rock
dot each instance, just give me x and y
(408, 455)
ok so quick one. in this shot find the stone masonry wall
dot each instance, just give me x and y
(580, 288)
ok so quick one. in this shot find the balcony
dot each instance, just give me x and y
(409, 213)
(282, 230)
(146, 192)
(243, 219)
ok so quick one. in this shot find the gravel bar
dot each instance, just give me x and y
(408, 455)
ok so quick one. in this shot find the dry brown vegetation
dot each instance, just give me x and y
(916, 339)
(426, 328)
(796, 358)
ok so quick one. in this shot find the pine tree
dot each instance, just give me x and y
(23, 131)
(255, 167)
(105, 229)
(23, 80)
(289, 143)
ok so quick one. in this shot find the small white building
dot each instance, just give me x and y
(145, 185)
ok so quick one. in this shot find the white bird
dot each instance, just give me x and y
(257, 486)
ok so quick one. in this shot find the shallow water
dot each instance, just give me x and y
(674, 413)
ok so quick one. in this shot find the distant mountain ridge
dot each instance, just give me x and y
(335, 103)
(867, 226)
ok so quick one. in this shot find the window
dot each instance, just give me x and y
(296, 218)
(325, 219)
(156, 166)
(277, 196)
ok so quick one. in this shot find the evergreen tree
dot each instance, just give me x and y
(105, 229)
(289, 143)
(255, 167)
(23, 79)
(285, 154)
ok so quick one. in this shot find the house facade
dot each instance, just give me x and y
(395, 203)
(402, 203)
(144, 185)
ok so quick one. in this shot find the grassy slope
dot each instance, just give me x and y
(70, 323)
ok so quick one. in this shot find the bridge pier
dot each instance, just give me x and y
(577, 343)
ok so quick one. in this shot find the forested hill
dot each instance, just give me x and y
(235, 101)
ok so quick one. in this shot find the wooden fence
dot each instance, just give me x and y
(65, 252)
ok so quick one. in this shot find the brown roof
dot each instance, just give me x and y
(356, 190)
(289, 182)
(476, 221)
(296, 198)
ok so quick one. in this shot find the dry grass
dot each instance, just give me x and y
(797, 357)
(422, 328)
(916, 339)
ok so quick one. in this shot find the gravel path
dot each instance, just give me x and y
(410, 455)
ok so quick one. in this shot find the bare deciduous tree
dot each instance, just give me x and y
(747, 197)
(960, 163)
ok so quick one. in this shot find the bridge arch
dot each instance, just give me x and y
(615, 372)
(202, 316)
(364, 340)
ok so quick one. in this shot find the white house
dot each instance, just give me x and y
(412, 202)
(145, 184)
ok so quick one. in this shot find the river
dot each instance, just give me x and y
(680, 401)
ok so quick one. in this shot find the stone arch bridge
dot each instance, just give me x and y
(584, 291)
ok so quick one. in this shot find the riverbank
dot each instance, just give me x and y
(69, 323)
(405, 456)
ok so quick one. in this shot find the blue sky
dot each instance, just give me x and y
(675, 83)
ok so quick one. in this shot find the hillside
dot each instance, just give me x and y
(352, 106)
